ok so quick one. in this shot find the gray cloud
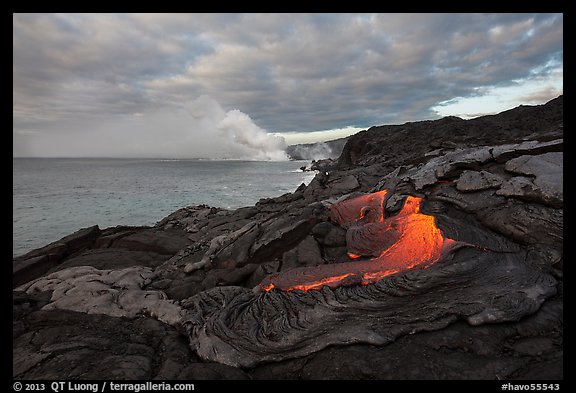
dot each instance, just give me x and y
(85, 74)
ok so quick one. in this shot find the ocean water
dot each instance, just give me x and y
(53, 197)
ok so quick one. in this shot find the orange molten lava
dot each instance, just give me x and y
(365, 208)
(396, 244)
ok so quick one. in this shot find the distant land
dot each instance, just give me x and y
(317, 151)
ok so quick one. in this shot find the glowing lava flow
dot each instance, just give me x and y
(405, 241)
(364, 208)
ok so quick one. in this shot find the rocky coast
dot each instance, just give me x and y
(427, 250)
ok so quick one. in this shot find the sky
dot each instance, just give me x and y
(246, 85)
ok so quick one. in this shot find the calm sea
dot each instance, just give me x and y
(53, 197)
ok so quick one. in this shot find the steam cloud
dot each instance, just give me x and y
(200, 128)
(230, 135)
(250, 139)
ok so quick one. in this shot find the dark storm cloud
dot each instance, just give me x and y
(299, 72)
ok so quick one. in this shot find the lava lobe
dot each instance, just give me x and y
(378, 246)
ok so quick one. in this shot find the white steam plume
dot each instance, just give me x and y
(251, 139)
(197, 129)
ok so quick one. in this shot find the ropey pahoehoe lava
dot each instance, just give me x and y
(405, 274)
(405, 241)
(427, 250)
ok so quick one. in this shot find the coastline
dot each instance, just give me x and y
(183, 298)
(54, 197)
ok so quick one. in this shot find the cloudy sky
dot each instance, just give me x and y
(216, 85)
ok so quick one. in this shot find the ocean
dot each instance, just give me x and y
(53, 197)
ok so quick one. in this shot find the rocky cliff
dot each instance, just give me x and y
(317, 151)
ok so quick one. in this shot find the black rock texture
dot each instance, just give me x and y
(185, 299)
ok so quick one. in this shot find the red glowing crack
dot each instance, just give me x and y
(396, 244)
